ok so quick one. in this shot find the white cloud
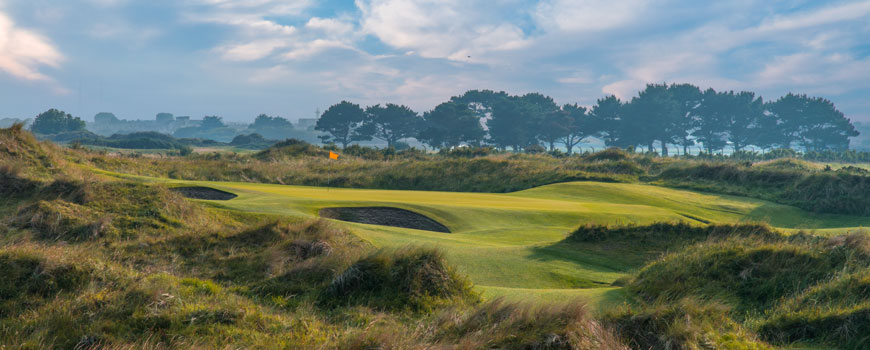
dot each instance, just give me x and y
(815, 72)
(330, 26)
(312, 48)
(587, 15)
(829, 15)
(251, 51)
(451, 29)
(23, 52)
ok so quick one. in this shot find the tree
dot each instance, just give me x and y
(653, 115)
(451, 124)
(815, 123)
(578, 126)
(606, 116)
(266, 122)
(711, 131)
(344, 123)
(741, 117)
(554, 126)
(517, 120)
(54, 121)
(392, 122)
(105, 118)
(688, 99)
(212, 122)
(537, 107)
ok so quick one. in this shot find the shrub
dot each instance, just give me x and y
(612, 154)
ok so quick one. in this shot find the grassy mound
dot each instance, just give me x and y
(748, 273)
(410, 278)
(290, 149)
(61, 220)
(833, 312)
(682, 325)
(73, 210)
(29, 276)
(495, 325)
(786, 182)
(21, 147)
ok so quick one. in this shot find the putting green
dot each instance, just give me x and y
(508, 244)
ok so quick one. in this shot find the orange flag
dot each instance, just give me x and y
(333, 155)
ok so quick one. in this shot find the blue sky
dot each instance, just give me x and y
(240, 58)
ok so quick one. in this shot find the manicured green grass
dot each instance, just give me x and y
(509, 244)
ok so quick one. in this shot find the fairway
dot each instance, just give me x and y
(508, 244)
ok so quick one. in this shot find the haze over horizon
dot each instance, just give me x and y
(237, 59)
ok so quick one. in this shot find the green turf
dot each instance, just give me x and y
(508, 244)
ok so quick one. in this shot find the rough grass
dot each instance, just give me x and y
(162, 272)
(787, 182)
(495, 325)
(787, 289)
(685, 324)
(418, 279)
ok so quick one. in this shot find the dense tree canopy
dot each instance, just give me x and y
(451, 124)
(392, 123)
(659, 117)
(344, 123)
(212, 122)
(54, 121)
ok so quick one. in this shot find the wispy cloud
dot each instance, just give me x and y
(23, 52)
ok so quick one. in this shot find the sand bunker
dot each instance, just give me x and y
(199, 192)
(386, 216)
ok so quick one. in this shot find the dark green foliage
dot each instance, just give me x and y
(344, 123)
(255, 141)
(54, 121)
(410, 278)
(451, 124)
(393, 122)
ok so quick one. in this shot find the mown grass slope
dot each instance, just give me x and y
(511, 244)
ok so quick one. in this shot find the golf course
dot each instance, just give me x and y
(510, 245)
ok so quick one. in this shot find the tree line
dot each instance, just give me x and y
(677, 115)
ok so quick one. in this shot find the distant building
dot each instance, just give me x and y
(164, 118)
(182, 118)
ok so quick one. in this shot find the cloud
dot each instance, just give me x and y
(828, 15)
(450, 29)
(251, 51)
(330, 26)
(23, 52)
(587, 15)
(815, 72)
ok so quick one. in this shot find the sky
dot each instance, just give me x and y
(240, 58)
